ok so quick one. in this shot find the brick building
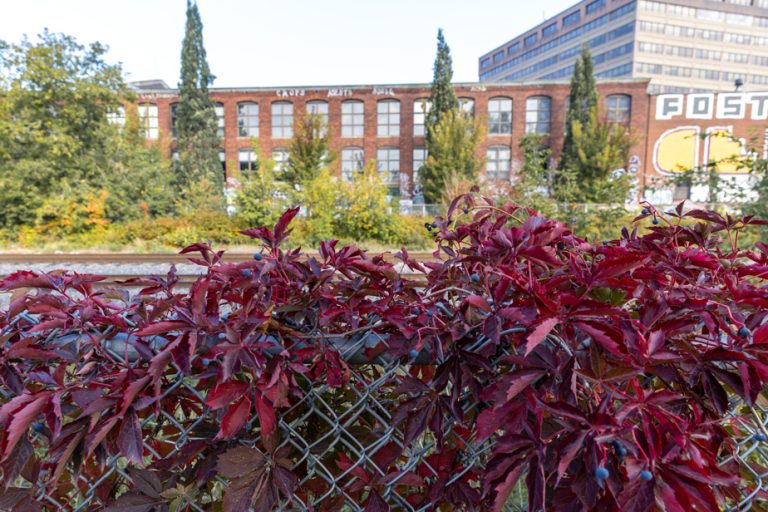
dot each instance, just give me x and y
(386, 122)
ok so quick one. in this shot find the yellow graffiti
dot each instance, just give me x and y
(725, 151)
(677, 150)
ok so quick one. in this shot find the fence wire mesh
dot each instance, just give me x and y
(355, 421)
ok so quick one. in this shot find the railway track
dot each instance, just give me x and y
(119, 267)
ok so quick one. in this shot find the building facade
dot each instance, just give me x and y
(682, 46)
(672, 132)
(385, 123)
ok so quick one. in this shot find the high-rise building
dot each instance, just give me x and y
(683, 46)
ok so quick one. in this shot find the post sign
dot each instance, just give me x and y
(725, 105)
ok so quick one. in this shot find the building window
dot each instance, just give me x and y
(280, 157)
(572, 18)
(282, 120)
(174, 116)
(498, 56)
(595, 6)
(219, 109)
(223, 160)
(618, 108)
(514, 48)
(549, 30)
(388, 118)
(485, 63)
(420, 109)
(248, 119)
(419, 158)
(530, 40)
(351, 162)
(538, 111)
(247, 158)
(148, 120)
(116, 116)
(388, 165)
(352, 118)
(499, 116)
(498, 159)
(318, 108)
(467, 106)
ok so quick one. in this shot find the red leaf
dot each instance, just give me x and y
(266, 414)
(761, 334)
(539, 333)
(479, 302)
(130, 438)
(235, 418)
(226, 393)
(375, 503)
(21, 419)
(162, 328)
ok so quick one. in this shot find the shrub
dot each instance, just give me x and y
(603, 374)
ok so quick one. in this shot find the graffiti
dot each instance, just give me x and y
(680, 149)
(727, 105)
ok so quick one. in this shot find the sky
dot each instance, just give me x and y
(270, 43)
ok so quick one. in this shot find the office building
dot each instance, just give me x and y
(682, 46)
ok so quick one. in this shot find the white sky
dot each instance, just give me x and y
(287, 42)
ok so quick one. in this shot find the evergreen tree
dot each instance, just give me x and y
(442, 97)
(196, 122)
(581, 101)
(452, 154)
(308, 151)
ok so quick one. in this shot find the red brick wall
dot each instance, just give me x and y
(480, 93)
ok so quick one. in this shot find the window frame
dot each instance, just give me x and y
(357, 162)
(354, 128)
(496, 117)
(282, 130)
(391, 128)
(151, 129)
(498, 174)
(246, 129)
(536, 125)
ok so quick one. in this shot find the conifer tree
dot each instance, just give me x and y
(309, 150)
(196, 122)
(581, 101)
(442, 97)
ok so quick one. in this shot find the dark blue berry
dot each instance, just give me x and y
(205, 361)
(434, 224)
(475, 277)
(246, 272)
(646, 475)
(584, 344)
(413, 353)
(655, 222)
(466, 210)
(744, 332)
(621, 451)
(428, 226)
(760, 437)
(39, 427)
(645, 211)
(415, 311)
(257, 256)
(221, 335)
(601, 473)
(429, 313)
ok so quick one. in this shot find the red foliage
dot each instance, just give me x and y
(590, 365)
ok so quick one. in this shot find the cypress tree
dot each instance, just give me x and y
(581, 101)
(442, 97)
(196, 123)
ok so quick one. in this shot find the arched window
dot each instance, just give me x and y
(498, 159)
(219, 109)
(388, 118)
(148, 120)
(538, 113)
(116, 116)
(318, 108)
(248, 119)
(467, 105)
(282, 120)
(351, 162)
(420, 109)
(352, 118)
(618, 108)
(499, 116)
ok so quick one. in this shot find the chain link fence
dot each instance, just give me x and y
(336, 440)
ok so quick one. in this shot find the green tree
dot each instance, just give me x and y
(261, 198)
(308, 151)
(600, 148)
(581, 100)
(56, 145)
(442, 96)
(364, 213)
(199, 168)
(534, 184)
(452, 154)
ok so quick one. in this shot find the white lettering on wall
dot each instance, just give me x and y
(724, 105)
(381, 91)
(284, 93)
(339, 92)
